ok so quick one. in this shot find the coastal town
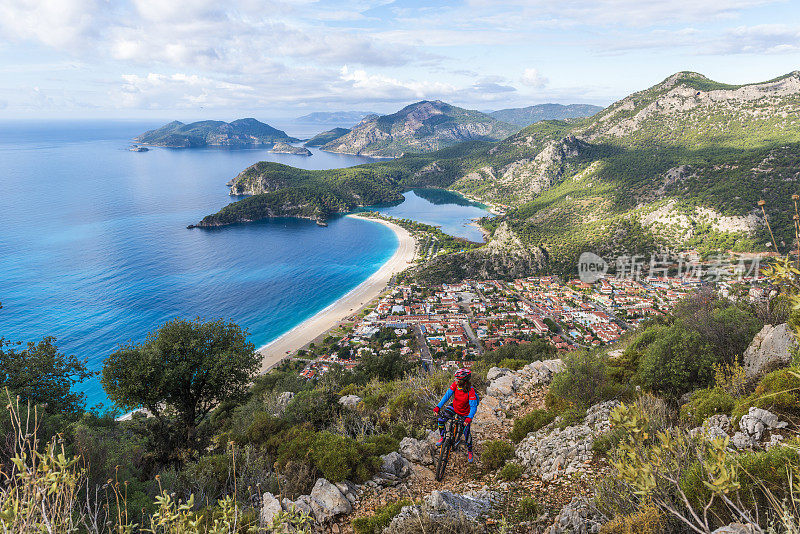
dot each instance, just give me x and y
(451, 325)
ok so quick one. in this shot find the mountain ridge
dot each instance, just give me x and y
(420, 127)
(532, 114)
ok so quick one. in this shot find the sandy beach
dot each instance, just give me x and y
(301, 335)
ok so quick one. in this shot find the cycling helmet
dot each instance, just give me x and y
(463, 373)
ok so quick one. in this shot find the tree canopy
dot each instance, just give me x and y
(43, 376)
(185, 368)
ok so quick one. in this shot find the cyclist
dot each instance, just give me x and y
(465, 404)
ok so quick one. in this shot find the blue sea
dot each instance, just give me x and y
(94, 248)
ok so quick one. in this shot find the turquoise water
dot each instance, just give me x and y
(94, 248)
(438, 207)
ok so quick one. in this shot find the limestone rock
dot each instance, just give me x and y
(771, 347)
(439, 505)
(554, 452)
(577, 517)
(327, 501)
(471, 505)
(736, 528)
(489, 412)
(503, 387)
(497, 372)
(742, 441)
(757, 421)
(349, 401)
(394, 464)
(419, 451)
(269, 507)
(283, 401)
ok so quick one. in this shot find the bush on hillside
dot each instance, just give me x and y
(341, 458)
(759, 474)
(646, 520)
(374, 524)
(678, 361)
(317, 407)
(511, 471)
(705, 403)
(495, 453)
(530, 423)
(778, 391)
(727, 328)
(264, 427)
(583, 383)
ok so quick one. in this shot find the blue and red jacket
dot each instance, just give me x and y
(465, 403)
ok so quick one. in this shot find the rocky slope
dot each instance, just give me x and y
(421, 127)
(544, 112)
(239, 133)
(327, 136)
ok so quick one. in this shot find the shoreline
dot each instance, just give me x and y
(350, 304)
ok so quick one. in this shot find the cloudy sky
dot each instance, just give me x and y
(226, 59)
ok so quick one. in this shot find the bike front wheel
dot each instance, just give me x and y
(444, 455)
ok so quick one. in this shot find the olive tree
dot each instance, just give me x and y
(183, 371)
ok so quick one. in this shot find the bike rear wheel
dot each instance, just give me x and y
(444, 455)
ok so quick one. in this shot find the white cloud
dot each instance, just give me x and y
(56, 23)
(180, 90)
(760, 39)
(532, 78)
(357, 85)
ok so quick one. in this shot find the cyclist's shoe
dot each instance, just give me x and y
(439, 443)
(469, 456)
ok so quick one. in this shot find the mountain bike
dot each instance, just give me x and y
(453, 436)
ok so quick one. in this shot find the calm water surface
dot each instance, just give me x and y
(94, 249)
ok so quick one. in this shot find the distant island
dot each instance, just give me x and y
(237, 134)
(545, 112)
(334, 118)
(327, 136)
(421, 127)
(137, 148)
(286, 148)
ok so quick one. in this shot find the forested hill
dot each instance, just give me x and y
(421, 127)
(544, 112)
(682, 163)
(239, 133)
(280, 190)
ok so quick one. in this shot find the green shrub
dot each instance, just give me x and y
(264, 427)
(316, 406)
(778, 391)
(678, 361)
(495, 453)
(571, 417)
(511, 471)
(705, 403)
(583, 382)
(605, 442)
(756, 471)
(293, 445)
(343, 458)
(380, 444)
(375, 524)
(528, 508)
(530, 423)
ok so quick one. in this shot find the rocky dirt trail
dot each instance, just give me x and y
(558, 464)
